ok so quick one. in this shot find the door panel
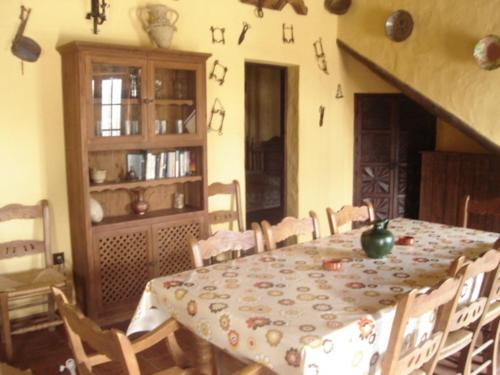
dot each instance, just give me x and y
(391, 131)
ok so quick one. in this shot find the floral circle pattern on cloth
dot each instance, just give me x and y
(283, 310)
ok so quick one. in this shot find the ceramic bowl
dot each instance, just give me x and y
(98, 176)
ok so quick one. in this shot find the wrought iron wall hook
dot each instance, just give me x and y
(217, 110)
(246, 26)
(288, 36)
(97, 12)
(218, 34)
(258, 11)
(218, 72)
(321, 115)
(320, 55)
(339, 94)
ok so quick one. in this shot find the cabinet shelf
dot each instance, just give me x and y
(98, 101)
(129, 185)
(174, 102)
(122, 219)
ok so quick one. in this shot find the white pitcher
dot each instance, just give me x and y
(159, 21)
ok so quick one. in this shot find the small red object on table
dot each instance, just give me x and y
(405, 241)
(332, 264)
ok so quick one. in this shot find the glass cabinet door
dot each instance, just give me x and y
(174, 101)
(117, 104)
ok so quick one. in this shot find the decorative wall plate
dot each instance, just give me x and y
(487, 52)
(337, 6)
(399, 26)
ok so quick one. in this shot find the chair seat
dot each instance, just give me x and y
(174, 371)
(455, 341)
(28, 282)
(493, 312)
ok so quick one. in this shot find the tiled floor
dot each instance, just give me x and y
(45, 351)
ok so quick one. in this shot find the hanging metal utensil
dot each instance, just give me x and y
(23, 47)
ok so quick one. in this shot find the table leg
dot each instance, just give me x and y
(203, 356)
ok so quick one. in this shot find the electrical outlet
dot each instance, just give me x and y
(58, 258)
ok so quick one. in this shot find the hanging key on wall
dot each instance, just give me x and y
(288, 36)
(243, 33)
(218, 35)
(217, 116)
(218, 73)
(320, 55)
(321, 115)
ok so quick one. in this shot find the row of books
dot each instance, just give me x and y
(167, 164)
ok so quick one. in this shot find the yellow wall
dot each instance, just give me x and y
(448, 138)
(437, 58)
(31, 118)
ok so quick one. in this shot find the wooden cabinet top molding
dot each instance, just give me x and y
(150, 52)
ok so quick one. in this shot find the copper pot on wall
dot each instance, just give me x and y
(337, 6)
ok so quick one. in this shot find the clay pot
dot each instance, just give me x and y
(378, 241)
(139, 205)
(159, 22)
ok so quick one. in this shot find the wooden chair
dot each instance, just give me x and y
(226, 216)
(288, 227)
(478, 207)
(421, 359)
(113, 346)
(469, 317)
(225, 245)
(349, 214)
(20, 290)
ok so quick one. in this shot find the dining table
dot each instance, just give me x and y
(282, 309)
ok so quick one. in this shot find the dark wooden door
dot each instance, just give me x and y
(390, 132)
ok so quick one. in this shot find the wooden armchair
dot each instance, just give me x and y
(231, 215)
(349, 214)
(470, 317)
(225, 245)
(113, 346)
(490, 207)
(289, 227)
(423, 358)
(20, 290)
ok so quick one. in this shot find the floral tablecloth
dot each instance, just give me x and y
(282, 309)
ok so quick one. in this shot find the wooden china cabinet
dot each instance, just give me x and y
(140, 115)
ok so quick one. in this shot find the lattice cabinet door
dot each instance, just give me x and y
(123, 266)
(171, 247)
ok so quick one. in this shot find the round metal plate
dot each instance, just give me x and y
(337, 6)
(399, 26)
(487, 52)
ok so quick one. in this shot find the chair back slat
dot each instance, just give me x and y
(223, 242)
(234, 213)
(19, 211)
(468, 314)
(417, 357)
(289, 227)
(435, 297)
(15, 249)
(222, 216)
(349, 214)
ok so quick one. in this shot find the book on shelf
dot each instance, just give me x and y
(167, 164)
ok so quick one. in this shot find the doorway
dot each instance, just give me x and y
(390, 133)
(265, 142)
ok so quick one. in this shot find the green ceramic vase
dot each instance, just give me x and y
(377, 242)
